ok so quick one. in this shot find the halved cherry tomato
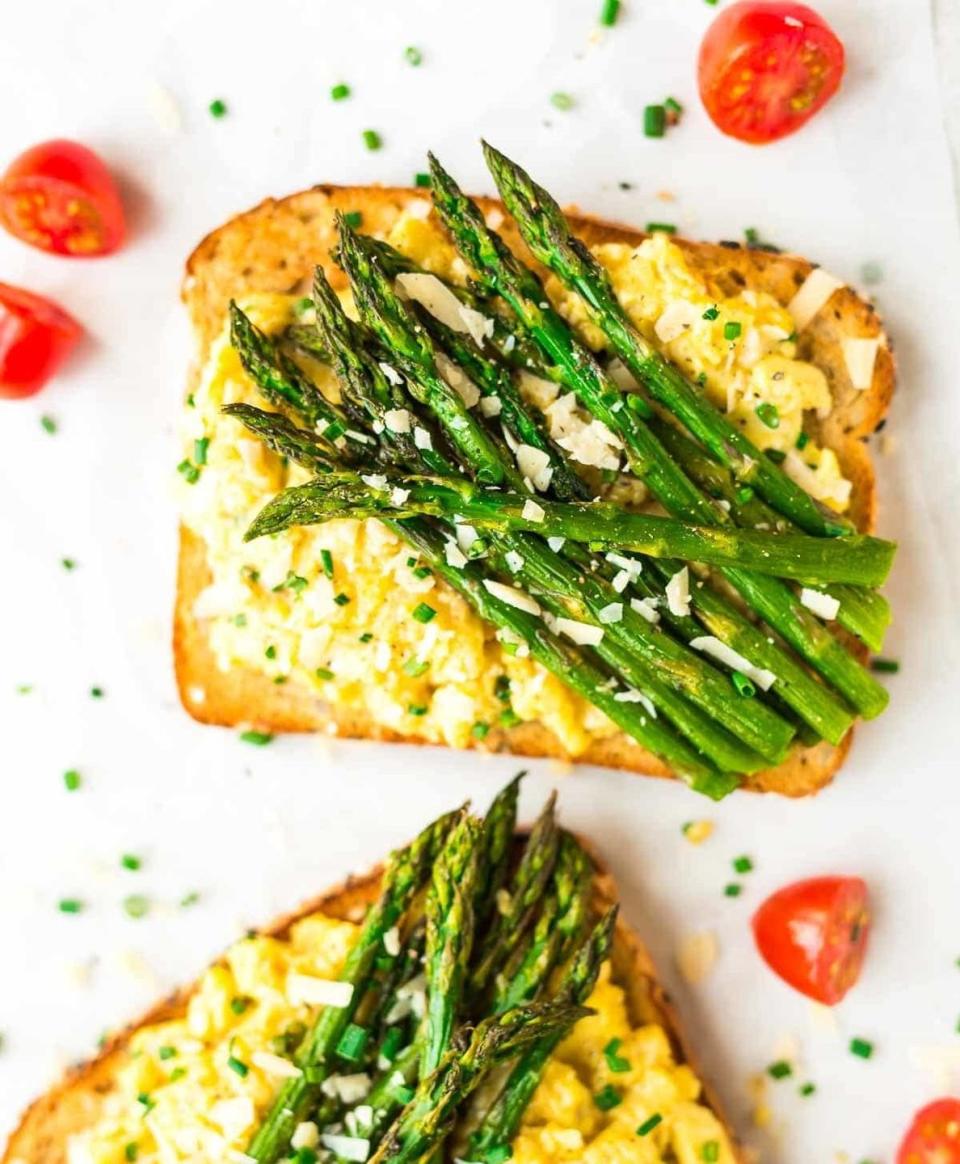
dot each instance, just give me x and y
(934, 1135)
(766, 67)
(60, 197)
(814, 935)
(35, 337)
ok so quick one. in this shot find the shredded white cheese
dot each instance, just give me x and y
(613, 612)
(374, 480)
(305, 1135)
(532, 512)
(458, 380)
(313, 991)
(823, 605)
(535, 464)
(275, 1065)
(646, 608)
(391, 942)
(422, 439)
(712, 646)
(812, 295)
(391, 373)
(349, 1088)
(399, 496)
(514, 561)
(678, 593)
(860, 356)
(454, 556)
(631, 695)
(347, 1147)
(676, 318)
(512, 596)
(582, 633)
(397, 420)
(556, 544)
(491, 406)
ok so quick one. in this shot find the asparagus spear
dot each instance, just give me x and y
(548, 235)
(815, 561)
(524, 292)
(502, 1120)
(406, 873)
(499, 826)
(283, 437)
(450, 930)
(429, 1117)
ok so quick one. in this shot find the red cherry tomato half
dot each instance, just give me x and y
(35, 337)
(766, 67)
(814, 935)
(60, 197)
(934, 1135)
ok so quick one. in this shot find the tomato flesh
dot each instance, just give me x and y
(60, 197)
(934, 1135)
(766, 67)
(813, 934)
(35, 337)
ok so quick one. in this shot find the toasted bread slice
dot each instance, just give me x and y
(274, 248)
(77, 1100)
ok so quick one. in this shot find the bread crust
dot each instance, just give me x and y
(74, 1102)
(274, 247)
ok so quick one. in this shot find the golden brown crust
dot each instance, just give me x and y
(275, 246)
(75, 1101)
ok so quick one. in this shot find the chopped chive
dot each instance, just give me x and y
(136, 905)
(366, 637)
(501, 688)
(616, 1062)
(701, 380)
(767, 413)
(480, 731)
(70, 905)
(742, 864)
(422, 572)
(731, 330)
(802, 441)
(421, 180)
(145, 1100)
(260, 739)
(191, 402)
(218, 108)
(353, 219)
(97, 693)
(341, 599)
(417, 709)
(303, 305)
(72, 780)
(744, 494)
(293, 582)
(608, 1097)
(661, 227)
(371, 139)
(654, 121)
(498, 1154)
(885, 666)
(340, 92)
(648, 1125)
(732, 890)
(130, 1151)
(807, 1089)
(327, 559)
(424, 613)
(508, 718)
(416, 667)
(48, 424)
(239, 620)
(711, 312)
(24, 688)
(411, 561)
(166, 1052)
(562, 101)
(177, 1073)
(238, 1066)
(392, 1043)
(742, 685)
(335, 429)
(779, 1070)
(413, 55)
(862, 1048)
(189, 899)
(189, 472)
(240, 1004)
(352, 1042)
(751, 235)
(778, 456)
(609, 13)
(200, 447)
(131, 861)
(270, 652)
(68, 563)
(324, 673)
(710, 1150)
(674, 109)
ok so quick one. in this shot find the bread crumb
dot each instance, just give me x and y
(696, 956)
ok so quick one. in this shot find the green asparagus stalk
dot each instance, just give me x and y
(815, 561)
(450, 931)
(430, 1116)
(282, 436)
(502, 1120)
(499, 826)
(549, 237)
(406, 873)
(524, 292)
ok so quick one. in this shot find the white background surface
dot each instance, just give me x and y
(257, 830)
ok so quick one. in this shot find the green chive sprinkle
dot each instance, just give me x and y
(270, 652)
(70, 905)
(131, 861)
(731, 330)
(416, 667)
(136, 905)
(742, 864)
(861, 1048)
(238, 1066)
(130, 1152)
(326, 559)
(648, 1125)
(732, 890)
(239, 1004)
(808, 1089)
(417, 709)
(421, 180)
(885, 666)
(710, 1151)
(366, 637)
(802, 441)
(371, 139)
(352, 1042)
(324, 673)
(499, 1154)
(218, 108)
(711, 312)
(617, 1063)
(189, 472)
(673, 106)
(654, 121)
(189, 899)
(607, 1098)
(509, 718)
(413, 55)
(24, 688)
(562, 101)
(609, 13)
(744, 494)
(340, 92)
(778, 456)
(767, 413)
(341, 599)
(200, 447)
(97, 693)
(480, 731)
(393, 1041)
(353, 219)
(177, 1073)
(661, 228)
(422, 572)
(48, 424)
(424, 613)
(68, 563)
(742, 685)
(72, 780)
(779, 1070)
(166, 1052)
(260, 739)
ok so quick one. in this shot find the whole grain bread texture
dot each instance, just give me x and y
(274, 248)
(76, 1101)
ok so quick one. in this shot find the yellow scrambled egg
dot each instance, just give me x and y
(181, 1097)
(333, 606)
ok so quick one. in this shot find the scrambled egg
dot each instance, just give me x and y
(333, 606)
(181, 1097)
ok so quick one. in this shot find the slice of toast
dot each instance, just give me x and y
(76, 1101)
(274, 248)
